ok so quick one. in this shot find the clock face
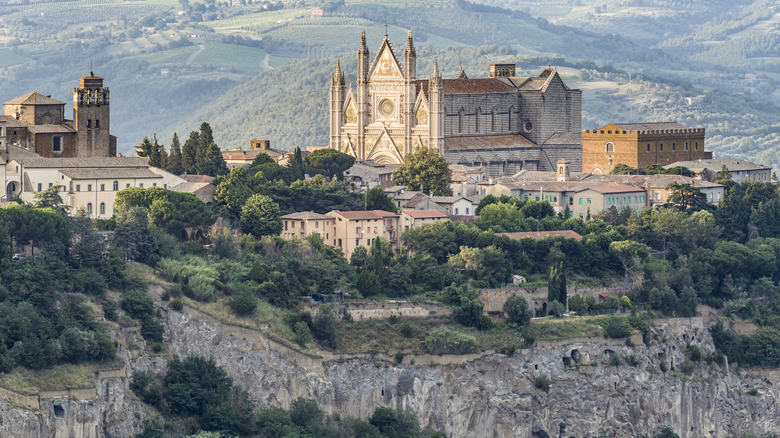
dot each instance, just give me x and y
(386, 108)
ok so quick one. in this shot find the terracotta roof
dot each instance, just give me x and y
(614, 188)
(604, 294)
(34, 98)
(76, 163)
(197, 178)
(424, 214)
(358, 215)
(110, 173)
(649, 126)
(307, 215)
(488, 142)
(536, 235)
(237, 156)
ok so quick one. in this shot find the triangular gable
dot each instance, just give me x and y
(554, 77)
(384, 144)
(421, 105)
(612, 127)
(386, 65)
(350, 108)
(350, 147)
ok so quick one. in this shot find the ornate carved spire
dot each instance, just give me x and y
(363, 46)
(410, 44)
(338, 75)
(461, 74)
(436, 76)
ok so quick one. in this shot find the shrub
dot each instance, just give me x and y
(302, 333)
(110, 309)
(753, 391)
(152, 330)
(407, 330)
(694, 353)
(138, 304)
(615, 360)
(324, 327)
(617, 328)
(557, 308)
(662, 366)
(517, 310)
(202, 287)
(542, 382)
(446, 340)
(177, 305)
(243, 303)
(687, 367)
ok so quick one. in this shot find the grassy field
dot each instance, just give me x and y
(241, 58)
(58, 377)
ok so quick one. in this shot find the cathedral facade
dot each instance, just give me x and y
(502, 122)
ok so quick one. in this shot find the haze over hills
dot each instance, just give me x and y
(260, 70)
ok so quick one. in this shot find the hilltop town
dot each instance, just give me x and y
(460, 259)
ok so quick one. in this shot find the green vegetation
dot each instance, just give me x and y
(425, 170)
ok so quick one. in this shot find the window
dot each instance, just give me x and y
(317, 225)
(357, 242)
(588, 201)
(285, 225)
(696, 145)
(89, 123)
(368, 242)
(51, 184)
(571, 200)
(292, 225)
(78, 187)
(154, 184)
(456, 211)
(648, 147)
(610, 146)
(102, 187)
(674, 147)
(116, 186)
(580, 201)
(89, 208)
(89, 187)
(686, 146)
(97, 123)
(102, 208)
(40, 187)
(476, 119)
(467, 210)
(127, 186)
(141, 185)
(661, 147)
(56, 144)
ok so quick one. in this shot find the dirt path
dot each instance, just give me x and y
(200, 50)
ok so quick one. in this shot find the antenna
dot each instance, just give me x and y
(385, 29)
(90, 68)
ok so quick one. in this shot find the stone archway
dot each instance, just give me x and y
(386, 158)
(596, 171)
(11, 190)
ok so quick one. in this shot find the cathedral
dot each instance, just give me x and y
(502, 122)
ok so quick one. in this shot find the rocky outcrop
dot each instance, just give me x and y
(597, 385)
(493, 395)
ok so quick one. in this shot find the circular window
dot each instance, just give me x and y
(386, 108)
(528, 126)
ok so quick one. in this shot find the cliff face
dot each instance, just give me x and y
(490, 395)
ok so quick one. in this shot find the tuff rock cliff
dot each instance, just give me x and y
(488, 395)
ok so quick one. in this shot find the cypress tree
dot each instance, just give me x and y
(188, 153)
(296, 166)
(205, 139)
(214, 164)
(174, 159)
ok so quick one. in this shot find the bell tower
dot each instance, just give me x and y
(91, 118)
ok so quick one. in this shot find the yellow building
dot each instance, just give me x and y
(359, 228)
(302, 224)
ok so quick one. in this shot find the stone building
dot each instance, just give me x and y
(640, 145)
(502, 123)
(37, 123)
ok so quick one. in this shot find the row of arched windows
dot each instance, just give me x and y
(102, 208)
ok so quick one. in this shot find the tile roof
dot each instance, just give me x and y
(197, 178)
(614, 188)
(565, 138)
(649, 126)
(110, 173)
(447, 199)
(73, 163)
(13, 122)
(34, 98)
(358, 215)
(307, 215)
(487, 142)
(653, 181)
(190, 187)
(537, 235)
(424, 214)
(50, 129)
(716, 164)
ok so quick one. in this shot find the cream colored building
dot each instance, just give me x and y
(359, 228)
(416, 218)
(302, 224)
(601, 197)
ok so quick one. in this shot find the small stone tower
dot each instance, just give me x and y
(563, 170)
(337, 94)
(91, 118)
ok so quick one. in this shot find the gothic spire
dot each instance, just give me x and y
(410, 44)
(363, 46)
(338, 75)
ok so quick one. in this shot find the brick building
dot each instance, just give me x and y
(502, 123)
(640, 145)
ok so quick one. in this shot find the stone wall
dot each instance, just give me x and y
(363, 311)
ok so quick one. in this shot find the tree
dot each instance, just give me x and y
(578, 304)
(260, 217)
(145, 148)
(686, 196)
(517, 310)
(556, 285)
(232, 193)
(133, 235)
(155, 158)
(174, 164)
(50, 198)
(296, 166)
(205, 139)
(377, 199)
(425, 170)
(188, 154)
(213, 162)
(630, 254)
(329, 162)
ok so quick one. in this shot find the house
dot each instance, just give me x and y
(740, 170)
(454, 205)
(359, 228)
(403, 198)
(640, 145)
(238, 158)
(369, 174)
(656, 186)
(594, 199)
(415, 218)
(302, 224)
